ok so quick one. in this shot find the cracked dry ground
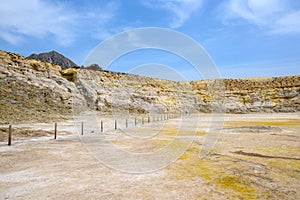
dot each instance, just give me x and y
(257, 156)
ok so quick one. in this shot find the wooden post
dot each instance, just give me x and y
(135, 122)
(116, 125)
(81, 128)
(148, 119)
(142, 120)
(126, 123)
(101, 126)
(9, 134)
(55, 130)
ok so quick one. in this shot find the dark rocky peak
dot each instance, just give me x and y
(54, 57)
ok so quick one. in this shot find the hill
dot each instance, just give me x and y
(55, 58)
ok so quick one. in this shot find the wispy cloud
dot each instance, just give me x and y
(182, 10)
(39, 19)
(96, 19)
(275, 16)
(34, 18)
(290, 23)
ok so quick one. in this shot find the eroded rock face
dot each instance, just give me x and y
(263, 95)
(33, 89)
(111, 92)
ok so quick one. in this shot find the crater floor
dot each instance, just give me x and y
(250, 156)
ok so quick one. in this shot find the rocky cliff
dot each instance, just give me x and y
(107, 91)
(35, 90)
(281, 94)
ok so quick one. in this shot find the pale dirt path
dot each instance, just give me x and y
(64, 169)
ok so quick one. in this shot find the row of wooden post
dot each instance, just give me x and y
(143, 121)
(126, 122)
(101, 126)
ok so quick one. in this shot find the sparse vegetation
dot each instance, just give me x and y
(69, 74)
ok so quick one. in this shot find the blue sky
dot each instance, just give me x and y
(245, 38)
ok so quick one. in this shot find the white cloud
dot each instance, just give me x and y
(34, 18)
(275, 16)
(11, 38)
(290, 23)
(181, 9)
(96, 19)
(21, 19)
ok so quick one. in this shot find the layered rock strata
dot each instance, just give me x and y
(32, 89)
